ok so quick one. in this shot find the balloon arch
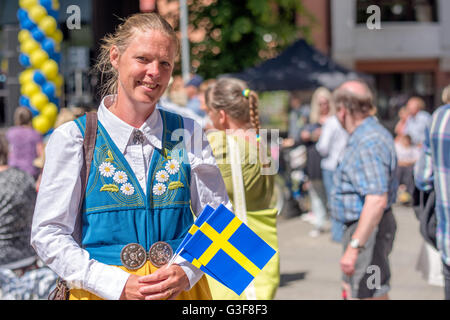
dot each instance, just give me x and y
(40, 47)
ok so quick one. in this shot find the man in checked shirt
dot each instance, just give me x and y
(432, 170)
(365, 189)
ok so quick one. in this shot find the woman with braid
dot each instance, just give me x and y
(242, 158)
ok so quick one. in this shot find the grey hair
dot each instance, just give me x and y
(355, 103)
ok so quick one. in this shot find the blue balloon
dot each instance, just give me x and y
(34, 112)
(26, 23)
(39, 78)
(37, 34)
(22, 14)
(24, 101)
(48, 45)
(24, 60)
(47, 4)
(55, 56)
(54, 100)
(49, 132)
(54, 14)
(49, 89)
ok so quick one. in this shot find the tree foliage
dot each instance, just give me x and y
(234, 34)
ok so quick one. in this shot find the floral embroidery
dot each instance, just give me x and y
(159, 189)
(107, 169)
(120, 177)
(110, 188)
(172, 166)
(175, 185)
(162, 176)
(127, 189)
(110, 157)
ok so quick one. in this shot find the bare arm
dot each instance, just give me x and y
(372, 212)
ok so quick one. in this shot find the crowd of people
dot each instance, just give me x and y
(355, 170)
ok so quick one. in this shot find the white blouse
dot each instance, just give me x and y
(60, 192)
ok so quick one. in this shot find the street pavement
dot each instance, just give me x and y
(310, 266)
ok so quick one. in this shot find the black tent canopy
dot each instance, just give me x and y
(299, 67)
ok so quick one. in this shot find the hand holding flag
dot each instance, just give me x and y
(225, 248)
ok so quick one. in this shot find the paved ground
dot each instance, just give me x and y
(310, 270)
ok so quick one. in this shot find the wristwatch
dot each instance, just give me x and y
(354, 243)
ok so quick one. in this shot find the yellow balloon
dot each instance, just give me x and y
(55, 4)
(27, 4)
(30, 89)
(50, 111)
(58, 81)
(57, 36)
(37, 13)
(26, 76)
(29, 46)
(24, 35)
(48, 25)
(41, 123)
(39, 100)
(38, 57)
(50, 69)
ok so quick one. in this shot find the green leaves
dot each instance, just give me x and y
(234, 32)
(110, 188)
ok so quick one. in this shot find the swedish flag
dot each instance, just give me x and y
(226, 249)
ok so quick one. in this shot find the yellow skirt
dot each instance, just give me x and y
(199, 292)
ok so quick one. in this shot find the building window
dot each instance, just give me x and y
(399, 10)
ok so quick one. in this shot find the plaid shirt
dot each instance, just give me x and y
(367, 167)
(433, 169)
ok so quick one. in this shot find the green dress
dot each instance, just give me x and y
(261, 218)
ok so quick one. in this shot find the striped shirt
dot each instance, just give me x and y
(367, 168)
(433, 170)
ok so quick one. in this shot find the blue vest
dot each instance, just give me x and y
(116, 210)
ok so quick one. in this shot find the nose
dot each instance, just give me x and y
(153, 70)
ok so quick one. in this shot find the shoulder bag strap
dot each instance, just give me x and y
(90, 136)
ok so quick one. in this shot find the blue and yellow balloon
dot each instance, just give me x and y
(40, 41)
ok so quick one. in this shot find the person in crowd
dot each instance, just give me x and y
(417, 121)
(400, 127)
(132, 219)
(432, 171)
(192, 92)
(21, 274)
(407, 155)
(25, 143)
(233, 110)
(172, 94)
(446, 94)
(330, 146)
(298, 117)
(321, 109)
(365, 187)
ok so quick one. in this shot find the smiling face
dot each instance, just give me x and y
(144, 68)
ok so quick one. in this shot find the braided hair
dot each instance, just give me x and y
(233, 96)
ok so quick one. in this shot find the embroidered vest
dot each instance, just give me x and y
(116, 211)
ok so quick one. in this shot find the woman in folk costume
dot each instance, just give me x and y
(245, 167)
(144, 184)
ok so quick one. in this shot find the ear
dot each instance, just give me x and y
(114, 56)
(223, 119)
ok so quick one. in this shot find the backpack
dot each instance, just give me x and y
(424, 203)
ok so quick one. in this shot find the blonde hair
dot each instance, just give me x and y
(320, 92)
(446, 94)
(227, 94)
(121, 38)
